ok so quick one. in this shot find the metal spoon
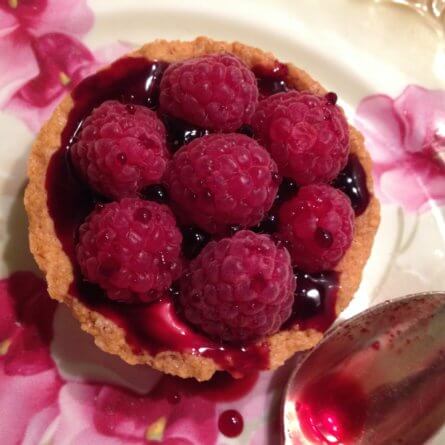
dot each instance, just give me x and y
(377, 378)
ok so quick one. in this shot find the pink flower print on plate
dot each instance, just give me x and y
(29, 381)
(406, 139)
(41, 58)
(63, 62)
(104, 414)
(38, 17)
(22, 21)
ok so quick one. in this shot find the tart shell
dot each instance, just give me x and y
(57, 267)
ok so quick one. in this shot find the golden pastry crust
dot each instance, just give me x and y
(57, 267)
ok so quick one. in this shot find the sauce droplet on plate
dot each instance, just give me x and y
(231, 423)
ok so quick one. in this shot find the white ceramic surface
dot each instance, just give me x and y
(353, 47)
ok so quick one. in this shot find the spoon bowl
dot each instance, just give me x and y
(377, 378)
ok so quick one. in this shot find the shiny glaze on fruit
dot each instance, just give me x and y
(352, 182)
(315, 298)
(158, 326)
(271, 80)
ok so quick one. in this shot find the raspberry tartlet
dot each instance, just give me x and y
(201, 207)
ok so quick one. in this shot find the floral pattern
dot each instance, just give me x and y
(174, 412)
(41, 57)
(107, 412)
(406, 139)
(26, 367)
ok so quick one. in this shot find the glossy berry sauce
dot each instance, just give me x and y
(271, 80)
(158, 326)
(193, 241)
(352, 181)
(156, 193)
(332, 410)
(180, 133)
(315, 298)
(230, 423)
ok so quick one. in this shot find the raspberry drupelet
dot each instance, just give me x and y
(221, 180)
(120, 149)
(307, 135)
(217, 92)
(239, 288)
(317, 226)
(131, 248)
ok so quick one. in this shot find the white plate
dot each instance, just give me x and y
(350, 47)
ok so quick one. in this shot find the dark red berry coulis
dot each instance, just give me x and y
(180, 133)
(271, 80)
(231, 423)
(158, 326)
(315, 298)
(156, 193)
(193, 241)
(352, 182)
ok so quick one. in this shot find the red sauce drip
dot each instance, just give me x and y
(231, 423)
(376, 345)
(332, 410)
(315, 298)
(158, 327)
(222, 387)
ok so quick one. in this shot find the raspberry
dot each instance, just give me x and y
(215, 91)
(131, 249)
(307, 135)
(221, 180)
(317, 226)
(239, 288)
(121, 149)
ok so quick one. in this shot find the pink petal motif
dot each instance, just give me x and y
(38, 17)
(27, 354)
(33, 307)
(39, 424)
(8, 324)
(406, 139)
(198, 426)
(75, 424)
(424, 189)
(21, 21)
(97, 413)
(122, 414)
(108, 53)
(25, 12)
(377, 119)
(17, 63)
(24, 300)
(29, 382)
(423, 113)
(73, 17)
(22, 398)
(8, 22)
(192, 417)
(176, 441)
(63, 62)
